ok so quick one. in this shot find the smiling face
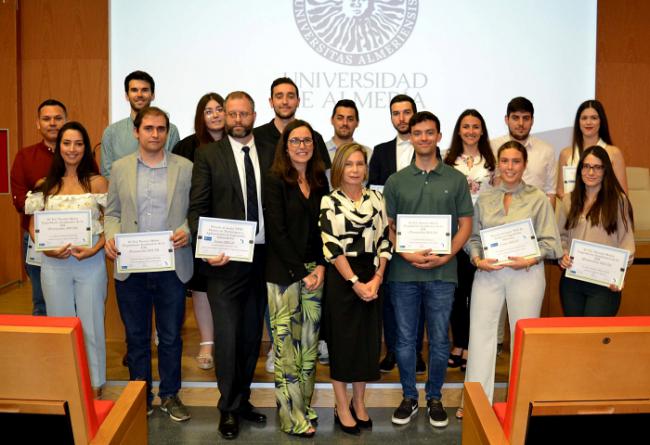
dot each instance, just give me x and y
(511, 166)
(284, 100)
(470, 131)
(139, 94)
(425, 137)
(214, 116)
(50, 120)
(354, 170)
(592, 171)
(344, 122)
(72, 147)
(300, 146)
(589, 123)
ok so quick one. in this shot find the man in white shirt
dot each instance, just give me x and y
(541, 170)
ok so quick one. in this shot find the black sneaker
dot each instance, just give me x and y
(420, 366)
(437, 413)
(407, 409)
(149, 409)
(388, 363)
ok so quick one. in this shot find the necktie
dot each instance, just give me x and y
(252, 211)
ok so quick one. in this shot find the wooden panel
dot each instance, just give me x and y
(622, 73)
(10, 242)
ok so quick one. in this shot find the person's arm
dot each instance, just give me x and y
(19, 186)
(112, 217)
(546, 229)
(550, 184)
(172, 138)
(562, 161)
(626, 232)
(107, 153)
(618, 164)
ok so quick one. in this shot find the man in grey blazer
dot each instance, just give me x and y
(149, 191)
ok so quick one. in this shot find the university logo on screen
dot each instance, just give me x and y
(355, 32)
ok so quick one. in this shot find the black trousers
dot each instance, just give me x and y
(237, 296)
(459, 319)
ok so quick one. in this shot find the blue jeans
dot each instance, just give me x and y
(34, 274)
(390, 325)
(437, 298)
(136, 296)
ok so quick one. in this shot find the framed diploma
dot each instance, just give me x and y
(515, 239)
(56, 228)
(32, 257)
(597, 263)
(234, 238)
(569, 177)
(421, 232)
(144, 252)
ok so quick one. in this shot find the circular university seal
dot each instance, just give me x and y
(355, 32)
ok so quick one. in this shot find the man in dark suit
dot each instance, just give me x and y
(227, 183)
(387, 158)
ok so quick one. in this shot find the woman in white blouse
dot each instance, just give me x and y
(74, 277)
(469, 153)
(589, 128)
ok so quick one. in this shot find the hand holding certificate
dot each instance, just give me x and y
(230, 238)
(144, 252)
(415, 233)
(597, 263)
(54, 229)
(515, 239)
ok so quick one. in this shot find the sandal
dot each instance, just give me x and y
(205, 361)
(459, 413)
(454, 361)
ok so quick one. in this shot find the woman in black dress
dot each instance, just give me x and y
(354, 229)
(209, 121)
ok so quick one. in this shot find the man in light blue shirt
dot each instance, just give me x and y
(118, 140)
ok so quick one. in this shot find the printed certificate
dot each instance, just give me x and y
(232, 237)
(569, 177)
(515, 239)
(597, 263)
(421, 232)
(144, 252)
(377, 188)
(32, 257)
(56, 228)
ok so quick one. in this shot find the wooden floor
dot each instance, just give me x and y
(198, 384)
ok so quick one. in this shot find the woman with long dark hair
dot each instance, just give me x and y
(471, 154)
(599, 211)
(209, 122)
(295, 271)
(590, 128)
(74, 277)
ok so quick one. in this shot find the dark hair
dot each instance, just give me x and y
(346, 103)
(603, 130)
(86, 169)
(403, 98)
(240, 95)
(51, 103)
(283, 80)
(484, 148)
(422, 116)
(139, 75)
(200, 128)
(146, 111)
(611, 198)
(284, 169)
(517, 146)
(520, 104)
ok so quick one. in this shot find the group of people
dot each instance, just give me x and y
(324, 259)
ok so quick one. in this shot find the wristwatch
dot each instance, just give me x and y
(353, 280)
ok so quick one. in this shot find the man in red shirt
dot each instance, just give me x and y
(31, 164)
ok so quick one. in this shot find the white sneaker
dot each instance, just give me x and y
(270, 362)
(323, 353)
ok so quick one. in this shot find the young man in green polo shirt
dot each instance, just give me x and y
(424, 279)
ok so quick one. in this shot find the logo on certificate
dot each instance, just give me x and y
(355, 32)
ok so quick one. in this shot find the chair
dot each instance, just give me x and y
(564, 367)
(44, 371)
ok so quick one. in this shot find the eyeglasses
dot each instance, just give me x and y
(209, 112)
(295, 142)
(241, 114)
(595, 167)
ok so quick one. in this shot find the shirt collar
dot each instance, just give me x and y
(237, 146)
(416, 171)
(161, 164)
(514, 191)
(401, 141)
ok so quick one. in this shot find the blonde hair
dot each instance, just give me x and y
(341, 157)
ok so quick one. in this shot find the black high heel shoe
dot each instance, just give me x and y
(354, 430)
(455, 361)
(367, 424)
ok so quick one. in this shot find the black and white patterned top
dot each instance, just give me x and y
(353, 228)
